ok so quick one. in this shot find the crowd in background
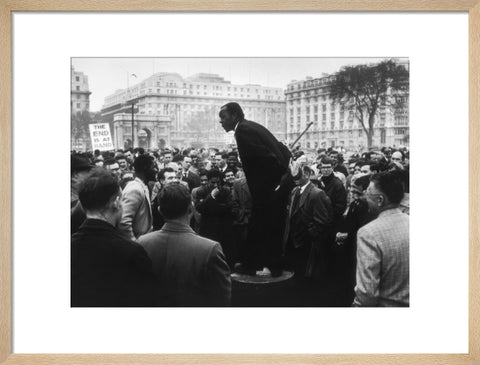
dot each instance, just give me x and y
(200, 200)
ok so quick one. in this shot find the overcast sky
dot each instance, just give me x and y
(105, 75)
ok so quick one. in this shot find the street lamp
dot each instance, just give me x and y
(133, 136)
(133, 102)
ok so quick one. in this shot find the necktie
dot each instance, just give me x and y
(296, 200)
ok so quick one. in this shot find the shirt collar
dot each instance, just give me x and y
(302, 189)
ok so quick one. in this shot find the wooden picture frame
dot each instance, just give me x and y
(7, 7)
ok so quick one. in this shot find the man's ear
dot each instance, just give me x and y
(381, 200)
(116, 202)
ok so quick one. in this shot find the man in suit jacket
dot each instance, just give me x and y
(383, 247)
(335, 190)
(308, 227)
(137, 212)
(265, 160)
(107, 269)
(192, 270)
(190, 177)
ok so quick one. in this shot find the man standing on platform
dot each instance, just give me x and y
(265, 161)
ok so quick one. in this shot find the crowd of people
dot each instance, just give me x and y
(168, 227)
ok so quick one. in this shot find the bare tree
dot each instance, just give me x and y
(365, 89)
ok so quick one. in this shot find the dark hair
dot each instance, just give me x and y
(174, 201)
(109, 161)
(96, 152)
(98, 188)
(326, 160)
(79, 163)
(224, 174)
(390, 183)
(380, 166)
(161, 173)
(142, 163)
(214, 173)
(120, 157)
(203, 172)
(178, 158)
(232, 154)
(367, 163)
(234, 109)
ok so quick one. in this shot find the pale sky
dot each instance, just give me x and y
(105, 75)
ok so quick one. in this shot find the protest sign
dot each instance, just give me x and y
(101, 137)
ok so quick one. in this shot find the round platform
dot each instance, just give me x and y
(262, 277)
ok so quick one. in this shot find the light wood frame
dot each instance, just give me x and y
(7, 7)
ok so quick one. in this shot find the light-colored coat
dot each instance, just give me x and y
(383, 261)
(137, 211)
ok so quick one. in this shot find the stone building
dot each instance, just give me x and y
(192, 104)
(308, 101)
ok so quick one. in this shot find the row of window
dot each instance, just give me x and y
(215, 87)
(310, 83)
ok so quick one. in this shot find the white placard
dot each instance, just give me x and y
(101, 137)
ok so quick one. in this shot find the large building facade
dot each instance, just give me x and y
(80, 93)
(192, 104)
(335, 125)
(80, 110)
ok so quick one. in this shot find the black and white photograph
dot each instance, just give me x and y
(240, 182)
